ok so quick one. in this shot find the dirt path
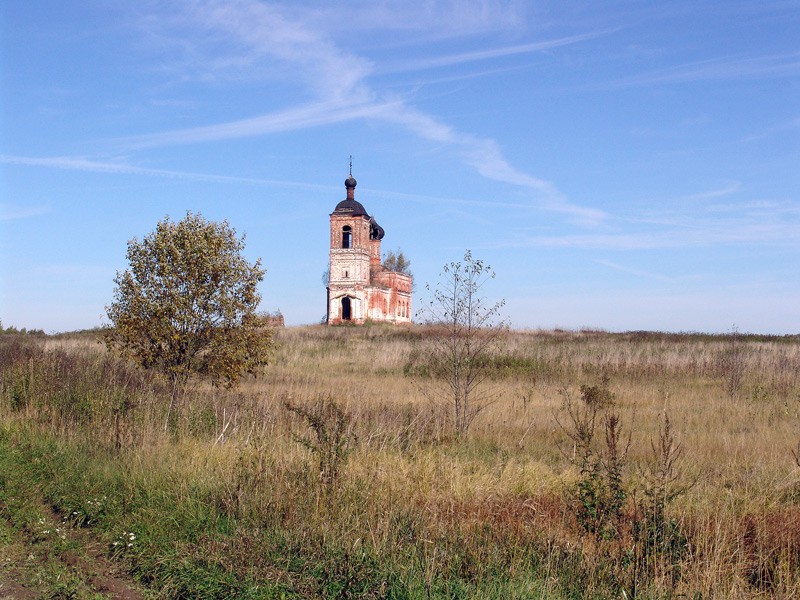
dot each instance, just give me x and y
(49, 559)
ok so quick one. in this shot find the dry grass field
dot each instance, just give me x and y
(337, 472)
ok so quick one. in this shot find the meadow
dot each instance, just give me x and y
(601, 465)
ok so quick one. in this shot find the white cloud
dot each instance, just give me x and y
(466, 57)
(692, 233)
(223, 39)
(727, 189)
(265, 32)
(433, 19)
(717, 69)
(633, 271)
(261, 33)
(13, 213)
(73, 163)
(300, 117)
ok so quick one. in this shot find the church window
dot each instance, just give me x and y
(347, 237)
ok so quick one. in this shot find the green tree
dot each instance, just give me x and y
(472, 329)
(397, 261)
(187, 304)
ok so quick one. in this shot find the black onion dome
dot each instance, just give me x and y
(376, 232)
(350, 207)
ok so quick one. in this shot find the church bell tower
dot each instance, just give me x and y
(359, 288)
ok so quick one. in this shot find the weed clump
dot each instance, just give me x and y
(599, 493)
(661, 543)
(625, 522)
(330, 438)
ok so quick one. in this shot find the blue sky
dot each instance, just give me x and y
(621, 165)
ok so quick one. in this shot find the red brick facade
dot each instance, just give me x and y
(360, 289)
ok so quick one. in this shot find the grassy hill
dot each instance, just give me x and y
(652, 464)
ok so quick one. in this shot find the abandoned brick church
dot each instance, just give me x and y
(360, 288)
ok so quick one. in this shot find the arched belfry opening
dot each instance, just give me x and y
(360, 288)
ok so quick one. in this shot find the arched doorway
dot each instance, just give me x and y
(346, 312)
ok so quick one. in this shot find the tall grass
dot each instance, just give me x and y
(227, 502)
